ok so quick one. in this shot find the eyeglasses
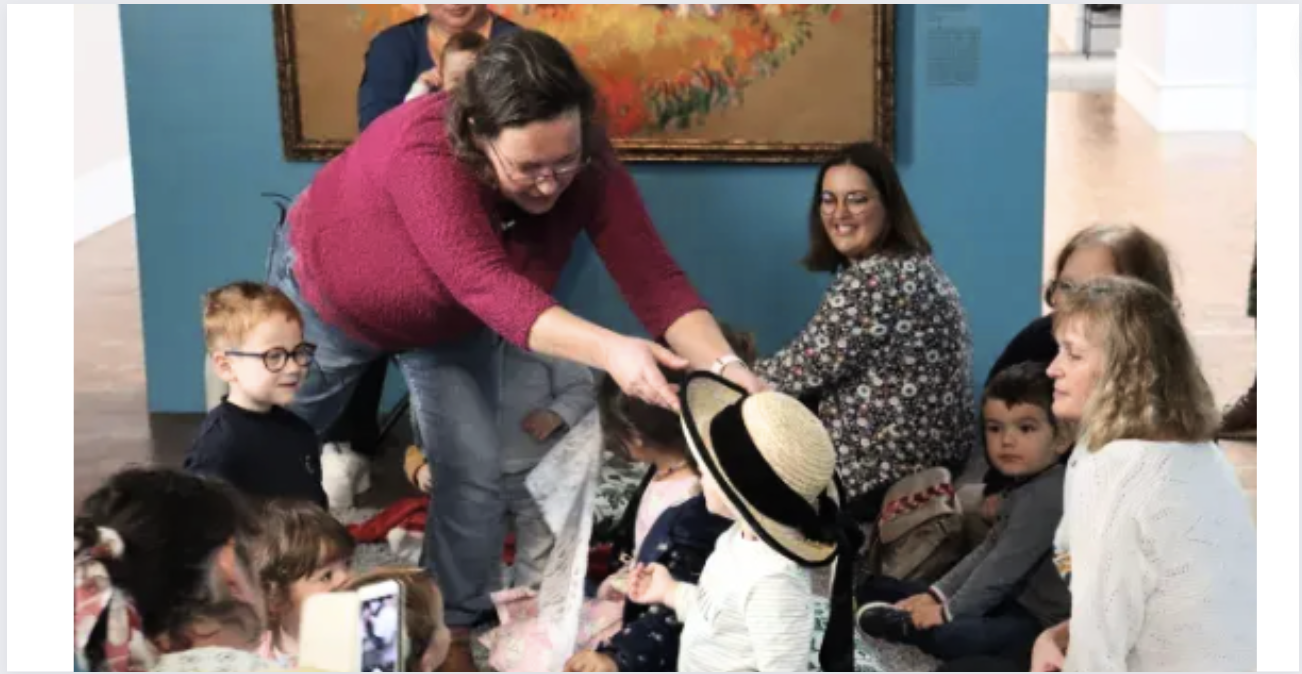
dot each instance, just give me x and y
(1065, 286)
(276, 359)
(1058, 285)
(855, 202)
(537, 175)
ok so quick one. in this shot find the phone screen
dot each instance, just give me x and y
(380, 633)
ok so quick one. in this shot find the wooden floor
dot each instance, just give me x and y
(1196, 192)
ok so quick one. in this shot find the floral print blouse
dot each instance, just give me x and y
(890, 356)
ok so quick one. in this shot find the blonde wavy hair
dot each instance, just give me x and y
(1151, 387)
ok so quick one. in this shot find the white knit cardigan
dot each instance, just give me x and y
(1162, 552)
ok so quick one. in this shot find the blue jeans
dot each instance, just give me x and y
(1008, 632)
(454, 402)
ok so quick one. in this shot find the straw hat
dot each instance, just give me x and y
(773, 461)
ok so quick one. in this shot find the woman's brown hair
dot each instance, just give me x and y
(1135, 254)
(422, 607)
(1151, 387)
(901, 235)
(519, 79)
(297, 539)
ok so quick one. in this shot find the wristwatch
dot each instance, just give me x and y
(723, 362)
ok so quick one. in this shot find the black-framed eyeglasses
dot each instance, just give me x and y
(276, 359)
(537, 175)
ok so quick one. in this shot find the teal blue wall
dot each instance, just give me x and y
(205, 142)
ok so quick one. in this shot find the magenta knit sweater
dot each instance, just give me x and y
(400, 245)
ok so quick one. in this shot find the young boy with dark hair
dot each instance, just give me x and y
(1005, 592)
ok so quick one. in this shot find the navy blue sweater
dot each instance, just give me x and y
(265, 455)
(394, 59)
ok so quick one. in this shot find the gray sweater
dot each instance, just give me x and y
(532, 381)
(1015, 559)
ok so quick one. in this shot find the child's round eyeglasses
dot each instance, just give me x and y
(276, 359)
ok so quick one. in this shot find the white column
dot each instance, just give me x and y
(101, 154)
(1189, 67)
(1250, 125)
(1066, 23)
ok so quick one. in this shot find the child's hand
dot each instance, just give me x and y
(591, 661)
(541, 424)
(651, 584)
(1050, 650)
(917, 601)
(424, 478)
(432, 77)
(990, 508)
(927, 617)
(614, 587)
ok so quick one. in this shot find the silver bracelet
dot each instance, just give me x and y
(723, 362)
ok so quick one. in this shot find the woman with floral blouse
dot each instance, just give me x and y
(888, 354)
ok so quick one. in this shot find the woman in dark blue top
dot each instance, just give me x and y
(401, 53)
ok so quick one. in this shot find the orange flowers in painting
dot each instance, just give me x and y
(372, 19)
(661, 68)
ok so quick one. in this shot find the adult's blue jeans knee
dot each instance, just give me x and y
(454, 399)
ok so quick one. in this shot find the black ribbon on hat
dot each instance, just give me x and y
(764, 490)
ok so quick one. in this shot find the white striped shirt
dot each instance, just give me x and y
(753, 611)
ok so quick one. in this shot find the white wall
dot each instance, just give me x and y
(101, 154)
(1250, 127)
(1065, 24)
(1189, 67)
(1143, 28)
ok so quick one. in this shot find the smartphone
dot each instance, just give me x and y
(380, 613)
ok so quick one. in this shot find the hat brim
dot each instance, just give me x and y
(703, 396)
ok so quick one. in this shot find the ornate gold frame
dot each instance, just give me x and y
(299, 148)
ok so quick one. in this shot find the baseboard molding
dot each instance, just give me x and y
(103, 196)
(1182, 106)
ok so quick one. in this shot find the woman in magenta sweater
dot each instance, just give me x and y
(444, 228)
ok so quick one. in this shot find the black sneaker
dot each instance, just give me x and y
(884, 621)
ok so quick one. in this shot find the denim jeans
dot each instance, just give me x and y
(1008, 632)
(454, 400)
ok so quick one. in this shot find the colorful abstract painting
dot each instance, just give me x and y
(760, 83)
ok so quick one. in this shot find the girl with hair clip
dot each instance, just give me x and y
(1156, 539)
(163, 579)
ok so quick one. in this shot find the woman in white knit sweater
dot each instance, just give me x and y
(1156, 538)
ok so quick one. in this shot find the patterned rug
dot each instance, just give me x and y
(619, 479)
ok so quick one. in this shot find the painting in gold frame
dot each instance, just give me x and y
(717, 83)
